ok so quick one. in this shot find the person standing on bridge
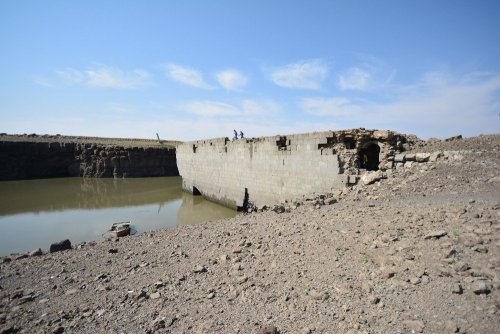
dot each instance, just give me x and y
(241, 134)
(235, 134)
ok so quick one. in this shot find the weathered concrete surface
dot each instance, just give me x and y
(33, 160)
(267, 170)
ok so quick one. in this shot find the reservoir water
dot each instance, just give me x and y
(36, 213)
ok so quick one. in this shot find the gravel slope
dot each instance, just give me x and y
(417, 251)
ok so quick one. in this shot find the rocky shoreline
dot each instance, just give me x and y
(417, 252)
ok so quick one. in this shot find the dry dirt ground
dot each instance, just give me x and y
(417, 252)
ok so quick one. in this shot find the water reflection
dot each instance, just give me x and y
(35, 213)
(195, 210)
(84, 193)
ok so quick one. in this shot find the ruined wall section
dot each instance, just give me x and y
(268, 170)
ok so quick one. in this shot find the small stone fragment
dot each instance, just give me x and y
(58, 330)
(451, 327)
(155, 295)
(314, 294)
(199, 269)
(436, 234)
(269, 329)
(457, 289)
(480, 287)
(415, 325)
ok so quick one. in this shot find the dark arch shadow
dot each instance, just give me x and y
(196, 192)
(369, 157)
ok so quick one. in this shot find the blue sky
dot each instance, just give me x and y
(198, 69)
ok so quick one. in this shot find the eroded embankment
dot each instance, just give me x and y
(32, 157)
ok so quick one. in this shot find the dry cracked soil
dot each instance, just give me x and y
(416, 252)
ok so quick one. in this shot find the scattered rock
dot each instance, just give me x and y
(155, 295)
(58, 330)
(436, 234)
(71, 292)
(457, 289)
(60, 246)
(415, 325)
(36, 252)
(8, 329)
(314, 294)
(458, 137)
(270, 329)
(199, 269)
(451, 327)
(422, 157)
(481, 287)
(371, 177)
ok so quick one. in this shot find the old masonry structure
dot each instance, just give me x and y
(270, 170)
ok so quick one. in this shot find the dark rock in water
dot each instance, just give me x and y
(60, 246)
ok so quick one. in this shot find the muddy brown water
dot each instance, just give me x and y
(36, 213)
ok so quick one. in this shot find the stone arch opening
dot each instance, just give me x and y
(196, 192)
(369, 156)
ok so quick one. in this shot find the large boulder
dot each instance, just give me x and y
(422, 157)
(372, 177)
(60, 246)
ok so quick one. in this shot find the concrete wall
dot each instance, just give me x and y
(269, 170)
(34, 160)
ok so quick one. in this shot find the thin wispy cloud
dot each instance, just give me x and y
(70, 76)
(335, 106)
(209, 108)
(354, 78)
(245, 108)
(187, 76)
(120, 108)
(306, 74)
(232, 80)
(42, 81)
(268, 107)
(105, 77)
